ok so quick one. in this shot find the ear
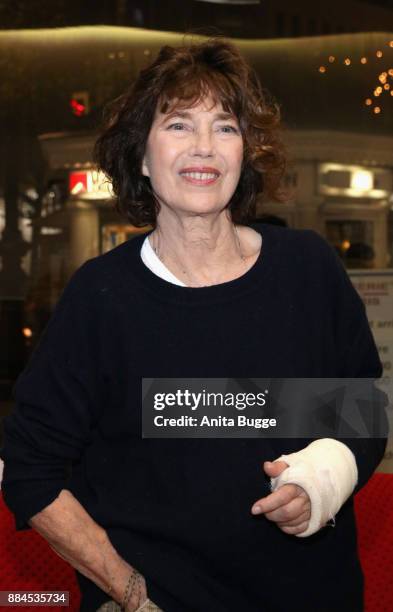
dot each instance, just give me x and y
(145, 169)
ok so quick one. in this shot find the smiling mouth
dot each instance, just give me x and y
(200, 178)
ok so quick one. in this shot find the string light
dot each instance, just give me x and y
(382, 77)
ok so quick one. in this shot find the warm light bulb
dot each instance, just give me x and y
(368, 102)
(379, 54)
(345, 245)
(377, 110)
(386, 86)
(390, 71)
(322, 69)
(27, 332)
(331, 58)
(363, 60)
(347, 61)
(361, 180)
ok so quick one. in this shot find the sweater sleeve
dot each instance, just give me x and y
(357, 357)
(56, 406)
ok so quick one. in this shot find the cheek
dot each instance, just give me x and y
(163, 157)
(233, 152)
(236, 161)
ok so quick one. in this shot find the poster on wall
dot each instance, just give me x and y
(375, 287)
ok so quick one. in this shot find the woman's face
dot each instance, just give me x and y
(193, 158)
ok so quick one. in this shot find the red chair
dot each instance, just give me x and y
(374, 517)
(27, 563)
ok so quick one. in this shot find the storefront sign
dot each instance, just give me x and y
(90, 185)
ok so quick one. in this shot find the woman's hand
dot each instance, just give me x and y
(289, 506)
(137, 591)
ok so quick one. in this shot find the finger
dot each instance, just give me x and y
(271, 502)
(304, 517)
(274, 469)
(289, 512)
(295, 530)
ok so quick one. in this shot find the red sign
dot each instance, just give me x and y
(78, 182)
(90, 185)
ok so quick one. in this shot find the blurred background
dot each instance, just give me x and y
(328, 65)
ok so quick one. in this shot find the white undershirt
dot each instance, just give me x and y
(326, 469)
(154, 263)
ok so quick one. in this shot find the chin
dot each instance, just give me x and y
(205, 207)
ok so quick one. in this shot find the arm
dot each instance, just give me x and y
(59, 399)
(355, 354)
(331, 470)
(79, 540)
(58, 402)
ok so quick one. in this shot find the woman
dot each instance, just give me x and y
(192, 524)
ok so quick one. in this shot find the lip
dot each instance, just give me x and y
(202, 169)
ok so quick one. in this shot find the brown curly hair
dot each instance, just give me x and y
(181, 77)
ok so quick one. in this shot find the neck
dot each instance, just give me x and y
(198, 250)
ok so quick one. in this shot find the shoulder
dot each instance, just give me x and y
(289, 235)
(304, 257)
(92, 300)
(297, 245)
(105, 273)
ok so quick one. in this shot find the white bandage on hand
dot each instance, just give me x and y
(326, 469)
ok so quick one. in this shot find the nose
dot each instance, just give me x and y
(203, 145)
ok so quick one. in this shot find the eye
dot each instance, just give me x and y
(229, 129)
(177, 127)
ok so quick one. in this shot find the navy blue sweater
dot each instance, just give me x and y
(179, 509)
